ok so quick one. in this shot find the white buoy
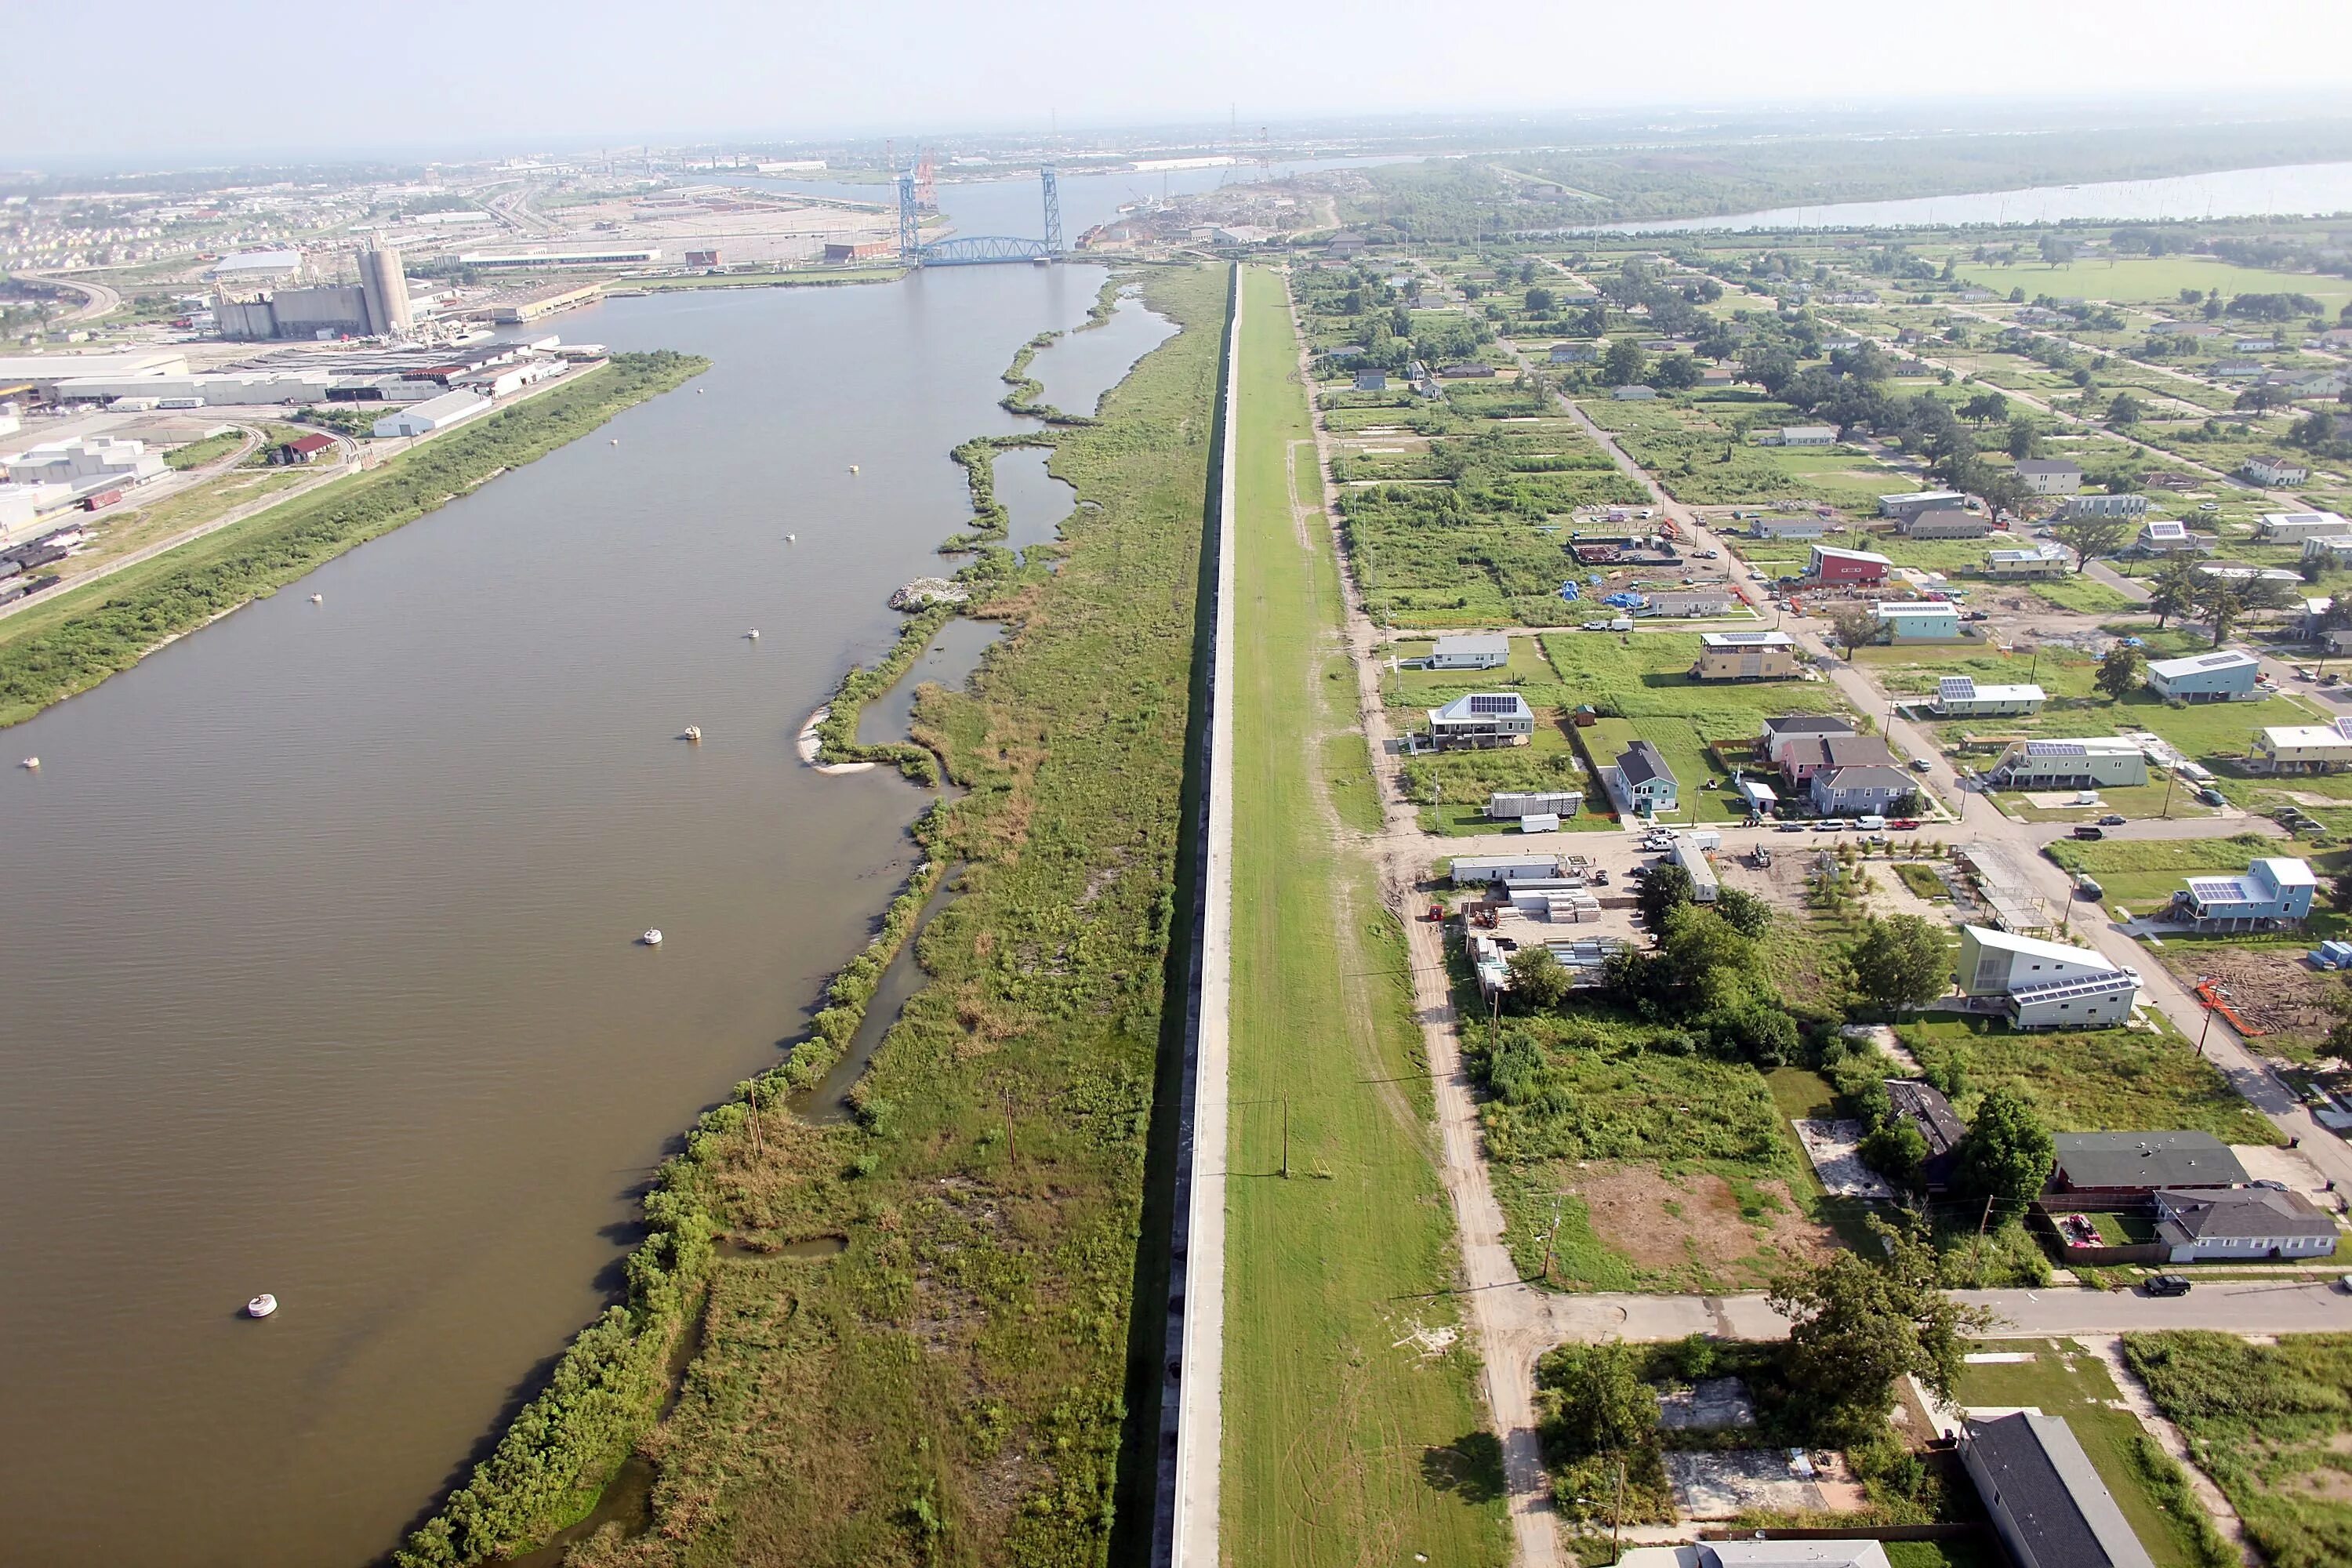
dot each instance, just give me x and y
(753, 634)
(853, 468)
(616, 440)
(652, 938)
(318, 598)
(694, 731)
(791, 539)
(32, 763)
(261, 1306)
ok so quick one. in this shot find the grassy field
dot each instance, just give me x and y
(2064, 1379)
(954, 1386)
(2154, 280)
(1345, 1395)
(2272, 1425)
(2102, 1080)
(2144, 874)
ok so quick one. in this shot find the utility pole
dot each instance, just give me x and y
(1286, 1137)
(2171, 777)
(2202, 981)
(1987, 1218)
(1617, 1513)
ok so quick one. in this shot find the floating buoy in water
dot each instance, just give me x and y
(318, 598)
(261, 1306)
(791, 539)
(853, 468)
(616, 440)
(694, 731)
(753, 634)
(32, 763)
(652, 938)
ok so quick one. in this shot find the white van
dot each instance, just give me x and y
(1869, 824)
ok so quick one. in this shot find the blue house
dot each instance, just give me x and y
(2275, 890)
(1918, 620)
(1645, 785)
(2226, 676)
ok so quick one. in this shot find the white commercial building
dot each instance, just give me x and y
(86, 463)
(24, 509)
(42, 373)
(2045, 984)
(433, 414)
(226, 387)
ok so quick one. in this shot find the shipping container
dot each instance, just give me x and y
(102, 498)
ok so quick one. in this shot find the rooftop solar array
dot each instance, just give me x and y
(2222, 890)
(2056, 749)
(1951, 687)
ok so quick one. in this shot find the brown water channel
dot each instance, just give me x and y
(319, 974)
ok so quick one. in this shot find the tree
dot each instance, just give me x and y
(2173, 592)
(2339, 893)
(2090, 536)
(1853, 626)
(1858, 1322)
(2008, 1152)
(1896, 1149)
(2056, 249)
(1539, 982)
(2119, 672)
(1900, 961)
(1539, 301)
(1624, 363)
(2022, 435)
(1677, 371)
(1665, 890)
(1594, 1400)
(2126, 410)
(1985, 408)
(1744, 912)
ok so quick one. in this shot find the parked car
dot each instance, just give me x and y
(1791, 828)
(2113, 819)
(2090, 830)
(1830, 824)
(2213, 797)
(1904, 823)
(2168, 1285)
(1920, 765)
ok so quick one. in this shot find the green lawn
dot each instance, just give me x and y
(1336, 1435)
(2064, 1379)
(2098, 1080)
(2156, 280)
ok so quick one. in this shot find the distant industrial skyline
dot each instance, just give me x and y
(248, 79)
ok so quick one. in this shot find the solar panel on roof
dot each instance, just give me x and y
(2221, 889)
(2213, 661)
(2055, 749)
(2344, 728)
(1955, 686)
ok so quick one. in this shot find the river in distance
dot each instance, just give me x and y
(321, 973)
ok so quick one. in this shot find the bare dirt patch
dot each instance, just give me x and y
(2270, 987)
(1664, 1222)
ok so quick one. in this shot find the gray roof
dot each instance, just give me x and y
(2044, 1483)
(1473, 644)
(1923, 1105)
(2048, 466)
(1841, 750)
(1807, 724)
(1869, 775)
(1642, 763)
(2148, 1160)
(2246, 1211)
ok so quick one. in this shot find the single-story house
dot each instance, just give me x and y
(1688, 855)
(2301, 748)
(2044, 984)
(1870, 790)
(1799, 528)
(1505, 806)
(1831, 566)
(1917, 620)
(2271, 470)
(1960, 696)
(302, 448)
(1645, 786)
(2275, 890)
(1799, 757)
(2164, 535)
(2132, 1166)
(2238, 369)
(1807, 435)
(1466, 370)
(1470, 650)
(2092, 762)
(2050, 475)
(2242, 1222)
(1483, 718)
(1484, 870)
(1371, 380)
(2045, 560)
(1923, 1105)
(1634, 393)
(1861, 1553)
(2046, 1500)
(1575, 353)
(2223, 675)
(2288, 525)
(1946, 522)
(2335, 549)
(1745, 656)
(1687, 603)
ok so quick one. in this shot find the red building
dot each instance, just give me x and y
(1830, 565)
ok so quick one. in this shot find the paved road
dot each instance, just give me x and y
(97, 299)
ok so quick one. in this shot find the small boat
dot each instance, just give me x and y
(652, 938)
(791, 539)
(318, 598)
(616, 440)
(753, 634)
(693, 733)
(261, 1306)
(853, 468)
(32, 763)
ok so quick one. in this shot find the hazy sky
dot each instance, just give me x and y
(140, 78)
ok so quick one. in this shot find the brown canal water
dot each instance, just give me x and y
(319, 974)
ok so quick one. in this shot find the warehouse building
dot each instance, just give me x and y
(86, 464)
(433, 414)
(515, 260)
(41, 375)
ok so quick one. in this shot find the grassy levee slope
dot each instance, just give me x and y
(946, 1391)
(69, 644)
(1352, 1433)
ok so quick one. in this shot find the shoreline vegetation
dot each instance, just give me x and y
(115, 623)
(1022, 398)
(950, 1385)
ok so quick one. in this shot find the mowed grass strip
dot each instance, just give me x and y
(1349, 1415)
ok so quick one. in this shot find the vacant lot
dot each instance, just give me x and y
(2066, 1380)
(2272, 1425)
(2098, 1080)
(2154, 280)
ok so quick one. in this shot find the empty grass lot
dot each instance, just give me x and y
(1351, 1427)
(2064, 1379)
(2098, 1080)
